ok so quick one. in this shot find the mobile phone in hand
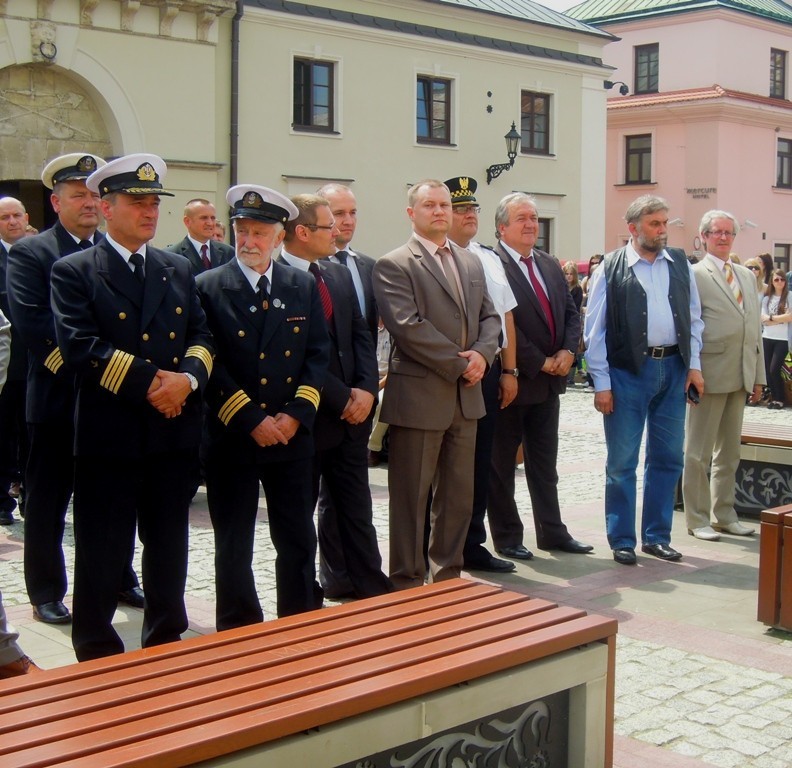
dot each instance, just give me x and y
(693, 394)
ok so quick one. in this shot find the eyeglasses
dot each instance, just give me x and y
(466, 209)
(755, 269)
(314, 227)
(719, 233)
(779, 279)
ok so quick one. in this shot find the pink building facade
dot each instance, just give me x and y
(707, 122)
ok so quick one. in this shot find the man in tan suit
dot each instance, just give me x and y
(732, 363)
(432, 298)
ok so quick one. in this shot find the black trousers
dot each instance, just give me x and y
(13, 440)
(536, 426)
(349, 556)
(233, 493)
(111, 495)
(475, 553)
(49, 482)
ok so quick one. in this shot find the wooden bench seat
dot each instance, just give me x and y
(764, 477)
(214, 695)
(775, 568)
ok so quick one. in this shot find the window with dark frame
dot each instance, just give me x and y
(647, 68)
(534, 123)
(778, 64)
(313, 95)
(638, 159)
(543, 236)
(433, 110)
(784, 164)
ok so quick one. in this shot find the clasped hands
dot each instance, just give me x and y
(275, 429)
(559, 364)
(168, 392)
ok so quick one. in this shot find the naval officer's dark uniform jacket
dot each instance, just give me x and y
(132, 463)
(49, 477)
(272, 357)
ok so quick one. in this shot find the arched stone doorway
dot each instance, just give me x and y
(44, 112)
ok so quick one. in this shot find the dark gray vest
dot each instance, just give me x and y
(626, 336)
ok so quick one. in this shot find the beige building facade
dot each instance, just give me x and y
(292, 95)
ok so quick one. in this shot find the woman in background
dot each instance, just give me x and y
(776, 319)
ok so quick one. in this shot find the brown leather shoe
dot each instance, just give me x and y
(22, 666)
(374, 458)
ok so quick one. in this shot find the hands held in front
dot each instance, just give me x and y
(358, 406)
(275, 429)
(168, 392)
(476, 367)
(559, 364)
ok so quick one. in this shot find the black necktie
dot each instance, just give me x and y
(136, 260)
(263, 290)
(342, 257)
(85, 244)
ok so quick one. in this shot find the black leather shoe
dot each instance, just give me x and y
(625, 556)
(52, 613)
(573, 545)
(7, 517)
(133, 597)
(518, 552)
(663, 551)
(491, 564)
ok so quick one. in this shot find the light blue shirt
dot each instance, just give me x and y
(661, 331)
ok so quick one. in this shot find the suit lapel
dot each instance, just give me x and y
(240, 294)
(157, 284)
(720, 280)
(116, 271)
(340, 305)
(519, 282)
(430, 263)
(280, 302)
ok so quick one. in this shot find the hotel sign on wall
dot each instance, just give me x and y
(701, 193)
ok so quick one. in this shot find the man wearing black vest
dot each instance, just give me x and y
(643, 340)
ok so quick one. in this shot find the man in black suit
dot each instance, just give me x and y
(343, 422)
(49, 476)
(333, 575)
(547, 329)
(272, 354)
(129, 322)
(199, 245)
(13, 437)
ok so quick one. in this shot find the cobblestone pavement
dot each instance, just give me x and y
(699, 681)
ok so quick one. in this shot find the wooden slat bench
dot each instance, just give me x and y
(775, 568)
(764, 477)
(323, 688)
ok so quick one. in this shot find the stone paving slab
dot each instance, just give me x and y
(699, 681)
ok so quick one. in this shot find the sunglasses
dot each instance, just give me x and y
(755, 269)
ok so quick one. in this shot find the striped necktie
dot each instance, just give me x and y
(733, 284)
(324, 293)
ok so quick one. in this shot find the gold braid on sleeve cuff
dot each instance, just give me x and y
(231, 406)
(203, 354)
(116, 371)
(54, 360)
(311, 394)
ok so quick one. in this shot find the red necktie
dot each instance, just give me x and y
(541, 295)
(207, 262)
(324, 293)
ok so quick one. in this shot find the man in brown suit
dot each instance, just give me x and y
(433, 300)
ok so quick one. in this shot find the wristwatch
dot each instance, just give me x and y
(193, 381)
(511, 371)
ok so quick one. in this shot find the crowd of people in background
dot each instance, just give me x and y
(136, 373)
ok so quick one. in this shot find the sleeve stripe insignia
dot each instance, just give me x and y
(234, 403)
(203, 354)
(54, 360)
(116, 371)
(311, 394)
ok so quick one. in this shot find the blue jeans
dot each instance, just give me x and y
(655, 398)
